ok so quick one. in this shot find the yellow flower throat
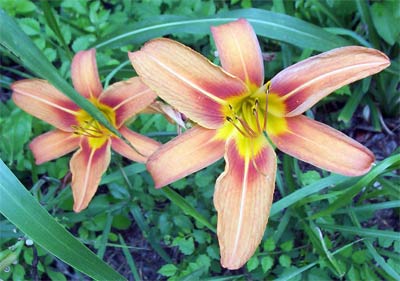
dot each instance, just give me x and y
(248, 117)
(89, 127)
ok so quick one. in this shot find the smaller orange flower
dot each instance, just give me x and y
(75, 128)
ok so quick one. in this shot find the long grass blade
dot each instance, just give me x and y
(20, 208)
(269, 24)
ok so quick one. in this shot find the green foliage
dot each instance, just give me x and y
(321, 226)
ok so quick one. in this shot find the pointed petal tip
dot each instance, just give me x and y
(303, 84)
(79, 208)
(85, 75)
(239, 51)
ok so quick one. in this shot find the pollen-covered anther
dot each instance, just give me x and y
(230, 120)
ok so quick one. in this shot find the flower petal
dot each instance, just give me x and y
(87, 166)
(303, 84)
(127, 98)
(52, 145)
(44, 101)
(186, 80)
(243, 198)
(323, 146)
(144, 146)
(84, 74)
(239, 51)
(195, 149)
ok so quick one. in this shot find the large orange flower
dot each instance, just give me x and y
(75, 128)
(234, 108)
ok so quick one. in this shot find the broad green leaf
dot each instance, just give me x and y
(269, 24)
(20, 208)
(18, 43)
(384, 15)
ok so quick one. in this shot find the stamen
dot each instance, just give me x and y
(268, 86)
(246, 126)
(91, 129)
(230, 120)
(255, 112)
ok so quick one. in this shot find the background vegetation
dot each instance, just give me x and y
(322, 226)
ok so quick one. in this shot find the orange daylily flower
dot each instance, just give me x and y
(75, 128)
(234, 108)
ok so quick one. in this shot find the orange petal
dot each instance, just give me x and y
(186, 80)
(52, 145)
(195, 149)
(305, 83)
(87, 166)
(243, 198)
(44, 101)
(84, 74)
(323, 146)
(127, 98)
(144, 146)
(239, 51)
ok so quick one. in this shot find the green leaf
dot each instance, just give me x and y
(129, 259)
(145, 228)
(186, 207)
(252, 263)
(287, 246)
(56, 276)
(347, 197)
(294, 273)
(17, 42)
(30, 26)
(285, 260)
(186, 246)
(53, 24)
(168, 270)
(364, 9)
(384, 15)
(363, 232)
(19, 273)
(378, 258)
(267, 263)
(272, 25)
(269, 244)
(304, 192)
(20, 208)
(309, 177)
(359, 257)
